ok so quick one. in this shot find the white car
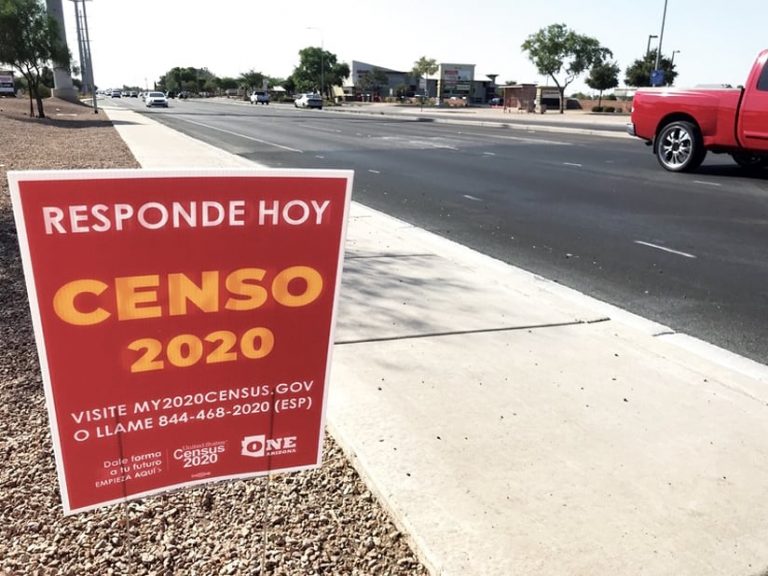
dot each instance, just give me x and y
(260, 97)
(156, 99)
(309, 101)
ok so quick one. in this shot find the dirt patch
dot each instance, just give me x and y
(319, 522)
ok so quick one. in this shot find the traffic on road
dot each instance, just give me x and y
(594, 213)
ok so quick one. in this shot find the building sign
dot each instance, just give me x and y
(7, 87)
(452, 76)
(184, 321)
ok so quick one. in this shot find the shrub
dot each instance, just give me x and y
(597, 108)
(609, 109)
(43, 91)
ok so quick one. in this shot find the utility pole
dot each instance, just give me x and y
(81, 49)
(62, 78)
(84, 45)
(91, 80)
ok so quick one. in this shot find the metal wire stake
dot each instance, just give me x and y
(265, 528)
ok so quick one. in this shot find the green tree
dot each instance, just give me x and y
(556, 50)
(318, 70)
(188, 79)
(29, 39)
(638, 73)
(424, 67)
(339, 73)
(227, 83)
(290, 85)
(205, 80)
(373, 80)
(603, 76)
(251, 81)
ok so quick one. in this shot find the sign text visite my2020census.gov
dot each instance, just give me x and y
(184, 321)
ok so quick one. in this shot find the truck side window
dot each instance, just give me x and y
(762, 82)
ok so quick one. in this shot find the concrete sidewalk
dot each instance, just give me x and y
(514, 426)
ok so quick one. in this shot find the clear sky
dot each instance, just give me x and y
(135, 42)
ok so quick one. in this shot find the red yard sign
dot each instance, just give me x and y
(184, 321)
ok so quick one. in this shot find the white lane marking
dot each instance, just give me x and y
(468, 197)
(665, 249)
(438, 142)
(572, 164)
(706, 183)
(519, 139)
(324, 130)
(241, 135)
(374, 171)
(489, 153)
(318, 156)
(425, 144)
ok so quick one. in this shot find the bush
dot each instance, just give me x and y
(609, 109)
(597, 108)
(43, 91)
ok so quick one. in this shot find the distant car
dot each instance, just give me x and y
(260, 97)
(183, 95)
(156, 99)
(309, 101)
(133, 94)
(116, 94)
(496, 102)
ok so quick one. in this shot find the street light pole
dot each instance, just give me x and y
(661, 36)
(322, 59)
(648, 48)
(672, 66)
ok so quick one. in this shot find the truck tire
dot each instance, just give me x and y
(750, 161)
(679, 147)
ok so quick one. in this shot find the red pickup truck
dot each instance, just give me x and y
(682, 125)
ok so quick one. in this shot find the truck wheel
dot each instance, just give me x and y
(679, 147)
(750, 161)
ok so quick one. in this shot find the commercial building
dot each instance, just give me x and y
(369, 82)
(451, 83)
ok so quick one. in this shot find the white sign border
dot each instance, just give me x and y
(17, 176)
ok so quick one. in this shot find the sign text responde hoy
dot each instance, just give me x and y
(248, 387)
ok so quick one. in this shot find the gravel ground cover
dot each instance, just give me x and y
(324, 521)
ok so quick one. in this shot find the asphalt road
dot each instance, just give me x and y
(594, 213)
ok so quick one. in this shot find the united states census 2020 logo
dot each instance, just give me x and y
(260, 446)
